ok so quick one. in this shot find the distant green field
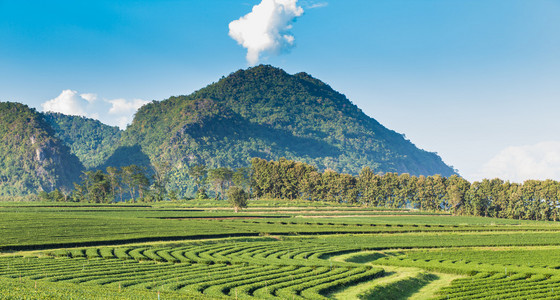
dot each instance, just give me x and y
(268, 252)
(542, 257)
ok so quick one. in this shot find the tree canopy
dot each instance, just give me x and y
(267, 113)
(286, 179)
(32, 158)
(90, 140)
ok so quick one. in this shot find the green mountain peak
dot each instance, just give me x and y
(32, 158)
(257, 112)
(265, 112)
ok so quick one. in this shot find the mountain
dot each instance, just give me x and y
(32, 158)
(90, 140)
(258, 112)
(265, 112)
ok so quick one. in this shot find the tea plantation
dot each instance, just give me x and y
(271, 251)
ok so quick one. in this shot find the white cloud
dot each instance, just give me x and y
(519, 163)
(124, 110)
(265, 28)
(122, 121)
(123, 106)
(68, 102)
(89, 97)
(115, 112)
(317, 5)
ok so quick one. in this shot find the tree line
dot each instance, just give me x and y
(112, 185)
(287, 179)
(134, 183)
(531, 200)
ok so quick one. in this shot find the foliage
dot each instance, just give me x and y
(199, 173)
(500, 286)
(259, 112)
(208, 270)
(265, 112)
(220, 178)
(32, 158)
(520, 256)
(15, 200)
(402, 289)
(503, 273)
(237, 197)
(90, 140)
(84, 256)
(128, 182)
(286, 179)
(259, 267)
(32, 227)
(24, 288)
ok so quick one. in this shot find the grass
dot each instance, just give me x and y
(431, 289)
(18, 288)
(548, 257)
(370, 290)
(402, 286)
(361, 291)
(273, 249)
(213, 268)
(41, 226)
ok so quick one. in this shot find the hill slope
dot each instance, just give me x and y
(265, 112)
(90, 140)
(32, 159)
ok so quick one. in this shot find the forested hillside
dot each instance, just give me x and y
(265, 112)
(32, 159)
(90, 140)
(259, 112)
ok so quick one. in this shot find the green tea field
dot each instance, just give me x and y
(271, 250)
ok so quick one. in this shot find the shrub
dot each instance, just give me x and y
(237, 197)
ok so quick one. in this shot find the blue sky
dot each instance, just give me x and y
(475, 80)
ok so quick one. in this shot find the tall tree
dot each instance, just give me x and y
(161, 172)
(198, 172)
(220, 179)
(114, 177)
(242, 178)
(97, 186)
(135, 179)
(456, 189)
(237, 197)
(366, 186)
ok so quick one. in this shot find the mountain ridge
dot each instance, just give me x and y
(265, 112)
(259, 112)
(89, 139)
(32, 158)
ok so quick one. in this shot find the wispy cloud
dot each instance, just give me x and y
(115, 112)
(316, 5)
(266, 28)
(519, 163)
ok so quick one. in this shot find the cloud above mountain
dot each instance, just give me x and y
(516, 163)
(114, 112)
(266, 28)
(69, 102)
